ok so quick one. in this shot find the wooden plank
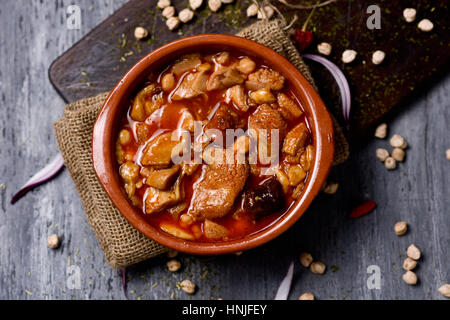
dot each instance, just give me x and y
(32, 36)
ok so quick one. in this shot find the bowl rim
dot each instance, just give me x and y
(318, 117)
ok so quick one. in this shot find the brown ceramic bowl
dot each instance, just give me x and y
(107, 125)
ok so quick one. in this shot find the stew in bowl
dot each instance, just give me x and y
(216, 147)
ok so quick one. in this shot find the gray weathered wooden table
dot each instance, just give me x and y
(34, 33)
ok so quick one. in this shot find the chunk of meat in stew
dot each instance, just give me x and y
(138, 109)
(214, 230)
(142, 132)
(216, 190)
(296, 139)
(158, 200)
(162, 179)
(265, 117)
(225, 118)
(237, 95)
(186, 63)
(225, 77)
(260, 125)
(265, 79)
(158, 152)
(287, 107)
(192, 85)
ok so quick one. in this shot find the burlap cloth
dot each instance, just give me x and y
(122, 243)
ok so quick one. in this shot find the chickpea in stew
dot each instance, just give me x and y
(215, 147)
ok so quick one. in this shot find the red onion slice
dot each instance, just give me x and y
(123, 275)
(341, 81)
(48, 172)
(285, 286)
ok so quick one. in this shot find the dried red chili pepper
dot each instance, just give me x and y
(303, 37)
(363, 209)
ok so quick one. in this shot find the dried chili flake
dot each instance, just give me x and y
(363, 209)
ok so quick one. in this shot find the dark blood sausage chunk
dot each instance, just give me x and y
(264, 199)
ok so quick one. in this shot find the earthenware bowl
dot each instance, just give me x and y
(107, 124)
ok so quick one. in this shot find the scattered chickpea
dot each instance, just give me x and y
(445, 290)
(306, 296)
(397, 141)
(163, 4)
(410, 278)
(426, 25)
(186, 15)
(390, 163)
(413, 252)
(140, 33)
(53, 241)
(398, 154)
(349, 56)
(252, 10)
(447, 153)
(409, 14)
(382, 154)
(195, 4)
(306, 259)
(237, 254)
(214, 5)
(381, 131)
(266, 12)
(400, 228)
(168, 12)
(173, 265)
(331, 187)
(227, 1)
(188, 286)
(172, 254)
(318, 267)
(324, 48)
(409, 264)
(378, 57)
(168, 82)
(173, 23)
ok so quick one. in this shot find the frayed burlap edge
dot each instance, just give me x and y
(122, 243)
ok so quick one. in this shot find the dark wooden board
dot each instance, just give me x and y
(98, 61)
